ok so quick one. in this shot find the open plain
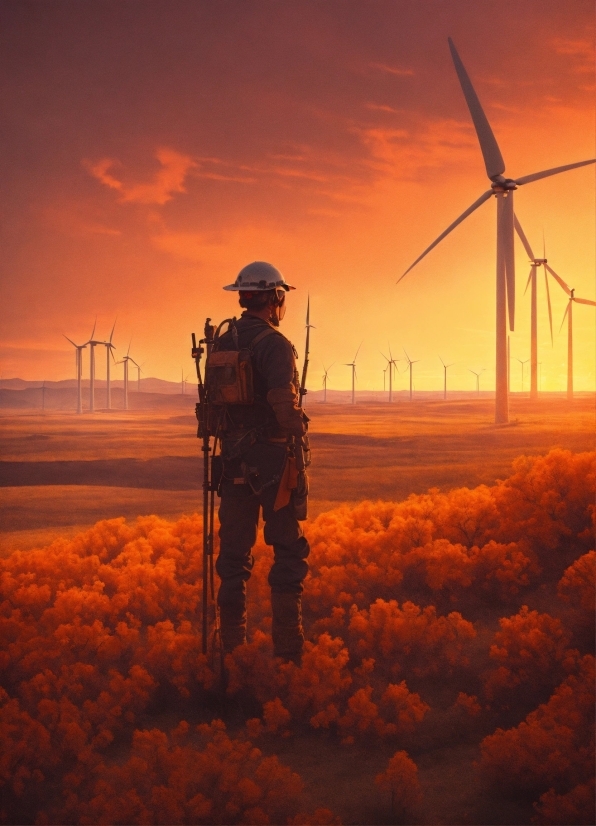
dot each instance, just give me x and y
(60, 472)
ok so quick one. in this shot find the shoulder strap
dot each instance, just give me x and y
(263, 334)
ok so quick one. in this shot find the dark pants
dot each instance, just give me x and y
(239, 517)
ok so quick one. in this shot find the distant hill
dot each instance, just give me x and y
(65, 398)
(148, 385)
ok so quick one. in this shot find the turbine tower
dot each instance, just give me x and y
(502, 188)
(569, 315)
(352, 364)
(409, 367)
(79, 371)
(92, 345)
(445, 366)
(109, 348)
(478, 379)
(532, 282)
(391, 366)
(325, 374)
(522, 366)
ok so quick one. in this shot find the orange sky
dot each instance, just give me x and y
(153, 149)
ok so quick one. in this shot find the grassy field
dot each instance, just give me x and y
(60, 471)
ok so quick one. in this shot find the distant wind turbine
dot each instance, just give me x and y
(139, 371)
(409, 367)
(569, 315)
(352, 364)
(184, 380)
(502, 188)
(109, 354)
(532, 282)
(478, 379)
(92, 345)
(79, 371)
(125, 361)
(445, 366)
(325, 375)
(522, 367)
(392, 365)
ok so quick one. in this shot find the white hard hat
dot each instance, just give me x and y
(258, 277)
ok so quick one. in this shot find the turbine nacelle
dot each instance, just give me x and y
(501, 184)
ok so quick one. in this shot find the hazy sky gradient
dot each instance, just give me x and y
(152, 149)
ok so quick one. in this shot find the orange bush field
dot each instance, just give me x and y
(421, 615)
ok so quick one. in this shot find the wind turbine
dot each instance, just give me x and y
(92, 345)
(125, 361)
(79, 371)
(569, 315)
(502, 188)
(478, 379)
(532, 281)
(352, 364)
(183, 381)
(445, 366)
(409, 367)
(325, 374)
(109, 348)
(139, 371)
(522, 366)
(392, 365)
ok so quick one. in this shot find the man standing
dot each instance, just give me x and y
(261, 449)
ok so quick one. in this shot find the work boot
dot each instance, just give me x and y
(286, 629)
(232, 623)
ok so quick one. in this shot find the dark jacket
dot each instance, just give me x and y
(274, 368)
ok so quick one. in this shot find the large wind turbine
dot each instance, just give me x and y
(445, 366)
(569, 315)
(79, 371)
(502, 188)
(409, 367)
(352, 364)
(109, 354)
(391, 365)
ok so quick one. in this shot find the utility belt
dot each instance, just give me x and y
(252, 460)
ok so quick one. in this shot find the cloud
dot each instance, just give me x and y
(392, 70)
(166, 182)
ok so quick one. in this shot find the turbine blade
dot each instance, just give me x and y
(128, 351)
(69, 339)
(113, 328)
(546, 173)
(358, 350)
(550, 312)
(532, 268)
(93, 331)
(585, 301)
(509, 256)
(565, 315)
(558, 279)
(484, 197)
(493, 160)
(523, 238)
